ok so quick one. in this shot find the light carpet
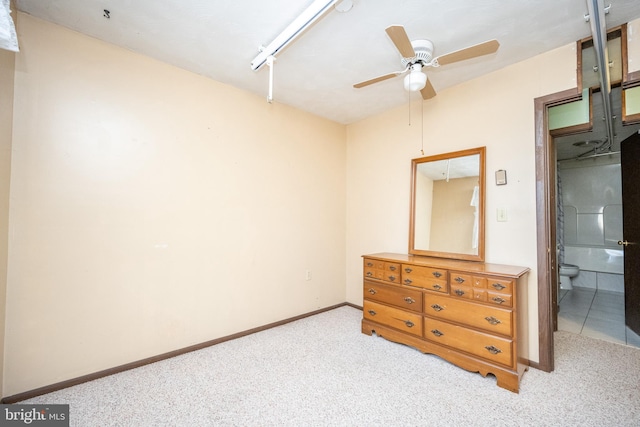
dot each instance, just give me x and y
(322, 371)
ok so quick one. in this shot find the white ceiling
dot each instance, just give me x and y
(219, 38)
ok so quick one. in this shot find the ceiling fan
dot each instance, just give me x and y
(418, 54)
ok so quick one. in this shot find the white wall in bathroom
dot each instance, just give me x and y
(592, 200)
(592, 197)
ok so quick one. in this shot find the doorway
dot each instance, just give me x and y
(589, 226)
(546, 180)
(546, 199)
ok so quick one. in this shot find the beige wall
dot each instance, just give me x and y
(7, 72)
(423, 211)
(496, 111)
(152, 209)
(453, 215)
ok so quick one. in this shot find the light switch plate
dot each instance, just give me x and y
(501, 214)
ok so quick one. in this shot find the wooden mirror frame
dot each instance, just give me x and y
(481, 205)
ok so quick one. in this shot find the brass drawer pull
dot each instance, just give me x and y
(372, 291)
(436, 332)
(369, 264)
(409, 300)
(392, 268)
(492, 320)
(409, 323)
(408, 281)
(459, 292)
(369, 273)
(493, 350)
(498, 286)
(392, 278)
(498, 300)
(408, 270)
(437, 307)
(437, 274)
(437, 287)
(459, 279)
(373, 313)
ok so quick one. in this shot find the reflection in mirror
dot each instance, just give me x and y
(447, 210)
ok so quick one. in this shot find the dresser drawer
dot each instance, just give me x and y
(461, 279)
(462, 287)
(494, 320)
(467, 292)
(373, 263)
(486, 346)
(432, 279)
(372, 273)
(403, 320)
(382, 270)
(500, 285)
(392, 272)
(493, 284)
(402, 297)
(458, 291)
(486, 289)
(503, 300)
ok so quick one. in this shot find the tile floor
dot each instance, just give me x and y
(597, 314)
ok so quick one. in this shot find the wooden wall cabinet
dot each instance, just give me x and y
(472, 314)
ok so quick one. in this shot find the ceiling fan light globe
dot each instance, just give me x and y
(415, 81)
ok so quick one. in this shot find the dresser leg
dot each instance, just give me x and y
(366, 329)
(508, 382)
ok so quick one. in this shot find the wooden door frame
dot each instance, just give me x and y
(546, 224)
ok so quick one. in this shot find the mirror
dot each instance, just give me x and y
(447, 205)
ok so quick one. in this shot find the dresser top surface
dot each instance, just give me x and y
(450, 264)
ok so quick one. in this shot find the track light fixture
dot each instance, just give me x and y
(310, 15)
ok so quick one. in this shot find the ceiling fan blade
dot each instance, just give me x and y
(378, 79)
(480, 49)
(399, 37)
(428, 91)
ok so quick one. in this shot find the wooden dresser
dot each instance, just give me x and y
(472, 314)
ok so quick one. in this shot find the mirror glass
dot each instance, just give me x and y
(447, 205)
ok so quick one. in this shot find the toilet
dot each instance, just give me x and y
(567, 271)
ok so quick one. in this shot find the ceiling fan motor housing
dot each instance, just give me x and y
(424, 53)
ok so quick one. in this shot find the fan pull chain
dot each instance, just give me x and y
(422, 126)
(409, 109)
